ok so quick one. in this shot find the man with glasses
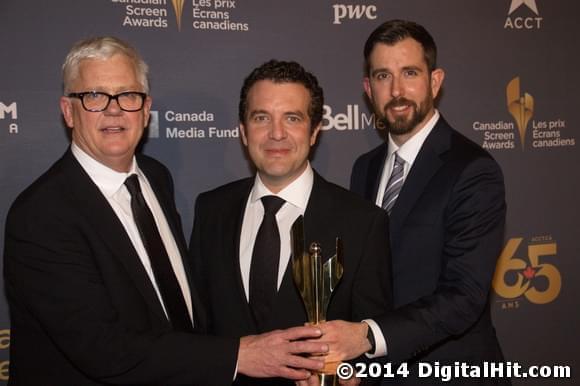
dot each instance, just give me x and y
(93, 262)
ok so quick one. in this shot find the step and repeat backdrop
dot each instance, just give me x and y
(511, 85)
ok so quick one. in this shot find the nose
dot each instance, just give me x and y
(278, 130)
(396, 87)
(113, 107)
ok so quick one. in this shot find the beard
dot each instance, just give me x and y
(401, 125)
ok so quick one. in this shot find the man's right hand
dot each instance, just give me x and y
(277, 353)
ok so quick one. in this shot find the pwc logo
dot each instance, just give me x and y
(353, 12)
(530, 276)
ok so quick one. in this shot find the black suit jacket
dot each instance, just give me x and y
(447, 230)
(365, 288)
(83, 310)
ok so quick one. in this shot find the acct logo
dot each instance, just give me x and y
(9, 112)
(530, 276)
(503, 135)
(523, 18)
(353, 12)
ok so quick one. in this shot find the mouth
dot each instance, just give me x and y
(399, 106)
(277, 152)
(112, 130)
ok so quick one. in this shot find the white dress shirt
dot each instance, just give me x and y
(408, 152)
(112, 184)
(296, 196)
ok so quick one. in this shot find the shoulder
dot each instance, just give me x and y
(151, 166)
(365, 158)
(339, 197)
(227, 192)
(48, 196)
(464, 153)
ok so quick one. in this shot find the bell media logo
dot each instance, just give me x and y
(523, 18)
(521, 107)
(10, 111)
(531, 276)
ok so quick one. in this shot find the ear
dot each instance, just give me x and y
(147, 110)
(314, 134)
(67, 111)
(367, 87)
(437, 76)
(243, 133)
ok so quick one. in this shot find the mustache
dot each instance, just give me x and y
(400, 101)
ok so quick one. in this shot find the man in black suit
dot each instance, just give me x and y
(280, 117)
(445, 199)
(95, 280)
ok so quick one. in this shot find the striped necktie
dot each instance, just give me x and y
(394, 184)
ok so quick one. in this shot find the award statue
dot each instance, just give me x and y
(316, 282)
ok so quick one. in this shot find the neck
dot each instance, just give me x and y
(400, 139)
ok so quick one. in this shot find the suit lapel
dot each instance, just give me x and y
(376, 166)
(233, 231)
(91, 203)
(288, 297)
(165, 200)
(426, 164)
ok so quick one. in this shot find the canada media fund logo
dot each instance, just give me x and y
(527, 270)
(521, 105)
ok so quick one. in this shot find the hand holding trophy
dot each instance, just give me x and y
(316, 282)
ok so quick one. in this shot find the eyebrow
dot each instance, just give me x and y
(406, 68)
(295, 112)
(256, 112)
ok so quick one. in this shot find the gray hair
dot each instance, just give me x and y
(102, 48)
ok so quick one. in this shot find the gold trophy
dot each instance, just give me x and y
(316, 282)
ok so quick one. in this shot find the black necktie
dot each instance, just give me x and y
(162, 269)
(265, 260)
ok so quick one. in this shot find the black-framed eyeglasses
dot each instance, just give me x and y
(95, 101)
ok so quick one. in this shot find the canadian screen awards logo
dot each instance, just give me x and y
(523, 18)
(545, 133)
(178, 8)
(530, 275)
(9, 112)
(205, 14)
(521, 107)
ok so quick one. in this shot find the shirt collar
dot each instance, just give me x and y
(297, 193)
(108, 180)
(409, 150)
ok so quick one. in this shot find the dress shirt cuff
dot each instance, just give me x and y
(380, 342)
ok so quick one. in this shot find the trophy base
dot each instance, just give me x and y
(327, 376)
(328, 379)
